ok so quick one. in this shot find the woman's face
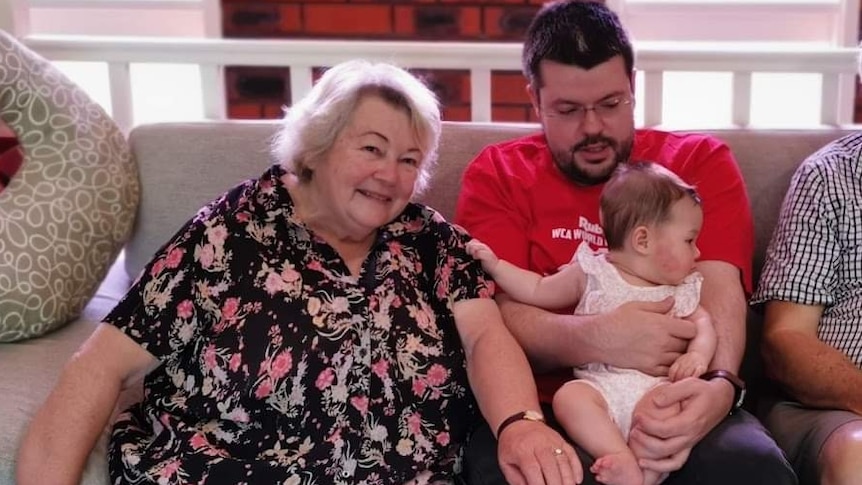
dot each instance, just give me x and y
(368, 176)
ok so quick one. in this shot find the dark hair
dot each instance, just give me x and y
(574, 32)
(639, 193)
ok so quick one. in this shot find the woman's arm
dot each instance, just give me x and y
(67, 426)
(503, 384)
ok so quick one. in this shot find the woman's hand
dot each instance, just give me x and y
(531, 453)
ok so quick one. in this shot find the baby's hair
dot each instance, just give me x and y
(639, 193)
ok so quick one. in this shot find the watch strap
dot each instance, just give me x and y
(734, 380)
(528, 415)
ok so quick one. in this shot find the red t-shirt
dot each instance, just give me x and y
(515, 199)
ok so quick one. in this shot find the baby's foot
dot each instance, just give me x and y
(617, 469)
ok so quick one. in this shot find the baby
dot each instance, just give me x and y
(651, 219)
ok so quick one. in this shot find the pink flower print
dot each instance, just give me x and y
(157, 268)
(423, 319)
(184, 309)
(380, 368)
(210, 357)
(414, 423)
(273, 283)
(360, 403)
(335, 437)
(395, 248)
(340, 305)
(281, 365)
(198, 441)
(289, 274)
(488, 291)
(228, 310)
(437, 375)
(217, 235)
(175, 257)
(234, 362)
(443, 438)
(207, 256)
(313, 305)
(324, 379)
(170, 469)
(419, 387)
(263, 389)
(243, 217)
(314, 265)
(395, 302)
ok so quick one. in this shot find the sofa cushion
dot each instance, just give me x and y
(69, 209)
(10, 155)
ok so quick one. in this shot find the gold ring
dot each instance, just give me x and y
(558, 451)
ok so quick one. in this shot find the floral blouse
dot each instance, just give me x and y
(279, 367)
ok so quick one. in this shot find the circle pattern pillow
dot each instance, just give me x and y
(66, 214)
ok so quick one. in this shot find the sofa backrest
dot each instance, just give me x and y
(184, 165)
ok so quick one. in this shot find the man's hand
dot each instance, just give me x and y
(640, 335)
(531, 453)
(667, 441)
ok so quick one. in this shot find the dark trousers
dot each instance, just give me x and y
(739, 451)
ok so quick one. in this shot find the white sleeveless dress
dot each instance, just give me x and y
(605, 291)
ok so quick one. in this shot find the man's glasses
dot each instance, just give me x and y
(605, 109)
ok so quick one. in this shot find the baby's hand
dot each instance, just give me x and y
(690, 364)
(483, 253)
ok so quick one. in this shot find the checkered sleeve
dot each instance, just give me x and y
(802, 256)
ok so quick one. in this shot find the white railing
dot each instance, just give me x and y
(836, 65)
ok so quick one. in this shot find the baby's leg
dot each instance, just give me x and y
(583, 412)
(652, 477)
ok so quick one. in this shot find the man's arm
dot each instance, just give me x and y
(637, 335)
(813, 372)
(723, 297)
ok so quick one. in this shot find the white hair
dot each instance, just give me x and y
(310, 127)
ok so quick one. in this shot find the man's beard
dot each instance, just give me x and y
(565, 161)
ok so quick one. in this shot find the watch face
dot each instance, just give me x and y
(741, 398)
(533, 416)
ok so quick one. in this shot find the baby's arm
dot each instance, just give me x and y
(700, 350)
(558, 290)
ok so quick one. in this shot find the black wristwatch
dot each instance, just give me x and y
(737, 383)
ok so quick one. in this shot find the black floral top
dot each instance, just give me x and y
(278, 366)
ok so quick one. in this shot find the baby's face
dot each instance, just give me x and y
(676, 242)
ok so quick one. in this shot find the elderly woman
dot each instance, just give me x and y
(311, 326)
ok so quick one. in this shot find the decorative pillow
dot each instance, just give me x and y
(11, 155)
(66, 214)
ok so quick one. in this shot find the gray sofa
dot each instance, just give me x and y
(182, 166)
